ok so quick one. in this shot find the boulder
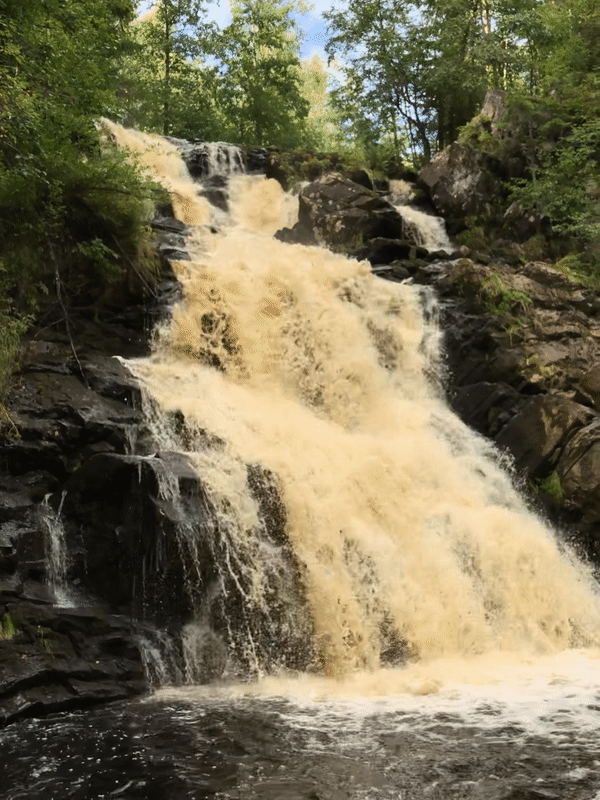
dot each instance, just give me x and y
(485, 406)
(384, 251)
(54, 659)
(461, 182)
(343, 215)
(579, 468)
(536, 435)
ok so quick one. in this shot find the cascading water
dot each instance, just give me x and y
(411, 539)
(349, 517)
(423, 229)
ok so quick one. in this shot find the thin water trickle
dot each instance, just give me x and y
(56, 555)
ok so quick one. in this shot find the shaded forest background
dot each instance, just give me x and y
(403, 79)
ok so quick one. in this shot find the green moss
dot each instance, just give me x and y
(550, 485)
(474, 237)
(534, 249)
(579, 270)
(7, 627)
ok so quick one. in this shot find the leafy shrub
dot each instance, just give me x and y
(502, 299)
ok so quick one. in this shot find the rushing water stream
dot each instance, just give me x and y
(451, 642)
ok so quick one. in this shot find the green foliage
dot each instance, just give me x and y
(477, 134)
(74, 212)
(7, 627)
(12, 328)
(502, 299)
(319, 126)
(165, 83)
(474, 236)
(242, 84)
(551, 485)
(420, 68)
(551, 126)
(261, 85)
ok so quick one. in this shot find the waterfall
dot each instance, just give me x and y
(408, 538)
(55, 549)
(424, 229)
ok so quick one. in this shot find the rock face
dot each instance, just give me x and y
(54, 657)
(461, 182)
(71, 404)
(346, 216)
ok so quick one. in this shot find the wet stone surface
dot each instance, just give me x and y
(273, 750)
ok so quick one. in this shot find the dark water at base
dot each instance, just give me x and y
(268, 749)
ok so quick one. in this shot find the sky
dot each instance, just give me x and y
(313, 24)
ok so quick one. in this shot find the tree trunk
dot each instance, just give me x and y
(167, 85)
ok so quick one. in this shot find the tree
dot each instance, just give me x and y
(63, 202)
(424, 65)
(167, 67)
(260, 72)
(319, 128)
(562, 131)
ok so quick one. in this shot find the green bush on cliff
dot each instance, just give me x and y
(563, 184)
(551, 486)
(73, 212)
(502, 299)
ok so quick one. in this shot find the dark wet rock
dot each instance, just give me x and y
(299, 234)
(396, 271)
(57, 415)
(487, 406)
(165, 224)
(384, 251)
(205, 160)
(361, 177)
(116, 536)
(58, 659)
(537, 434)
(217, 196)
(256, 159)
(40, 356)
